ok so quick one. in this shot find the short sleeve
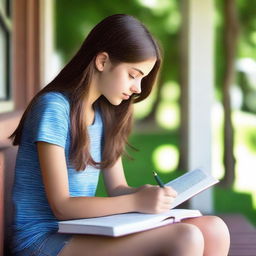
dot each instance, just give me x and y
(50, 119)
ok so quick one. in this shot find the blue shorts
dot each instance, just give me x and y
(50, 245)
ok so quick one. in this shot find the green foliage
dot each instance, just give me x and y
(219, 51)
(229, 201)
(250, 137)
(74, 19)
(247, 18)
(246, 41)
(139, 171)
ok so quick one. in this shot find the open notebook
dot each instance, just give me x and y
(187, 186)
(123, 224)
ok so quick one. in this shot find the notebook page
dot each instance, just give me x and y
(187, 180)
(190, 184)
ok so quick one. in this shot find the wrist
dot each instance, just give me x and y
(131, 203)
(122, 190)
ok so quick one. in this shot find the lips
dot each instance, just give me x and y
(126, 96)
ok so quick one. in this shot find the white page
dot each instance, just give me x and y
(122, 219)
(120, 224)
(190, 184)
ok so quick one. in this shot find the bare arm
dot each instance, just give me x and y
(54, 173)
(115, 181)
(55, 178)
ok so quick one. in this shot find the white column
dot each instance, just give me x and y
(49, 62)
(200, 92)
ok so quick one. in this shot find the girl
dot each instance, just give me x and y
(79, 124)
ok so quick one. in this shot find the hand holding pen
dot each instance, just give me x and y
(161, 184)
(154, 199)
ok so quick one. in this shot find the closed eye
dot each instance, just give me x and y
(132, 76)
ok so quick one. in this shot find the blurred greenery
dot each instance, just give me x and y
(230, 201)
(74, 19)
(139, 173)
(251, 139)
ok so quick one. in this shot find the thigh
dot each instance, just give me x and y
(161, 241)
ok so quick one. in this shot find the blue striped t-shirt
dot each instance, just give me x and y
(48, 121)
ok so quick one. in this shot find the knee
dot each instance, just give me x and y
(218, 229)
(191, 238)
(193, 235)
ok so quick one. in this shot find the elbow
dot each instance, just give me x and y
(60, 211)
(59, 216)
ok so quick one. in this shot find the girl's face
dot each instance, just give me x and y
(119, 82)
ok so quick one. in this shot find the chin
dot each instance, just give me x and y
(115, 102)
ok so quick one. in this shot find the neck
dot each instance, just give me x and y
(92, 96)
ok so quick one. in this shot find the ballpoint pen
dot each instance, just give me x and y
(158, 180)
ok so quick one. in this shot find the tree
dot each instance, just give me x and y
(231, 26)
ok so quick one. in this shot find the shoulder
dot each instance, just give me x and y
(49, 118)
(53, 100)
(55, 97)
(50, 106)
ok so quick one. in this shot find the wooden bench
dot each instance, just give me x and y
(7, 164)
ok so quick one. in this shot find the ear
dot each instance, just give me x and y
(100, 60)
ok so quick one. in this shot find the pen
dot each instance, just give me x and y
(158, 180)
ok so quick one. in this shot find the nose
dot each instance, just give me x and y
(136, 88)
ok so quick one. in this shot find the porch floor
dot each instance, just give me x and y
(242, 234)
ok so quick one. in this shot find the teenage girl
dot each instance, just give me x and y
(78, 125)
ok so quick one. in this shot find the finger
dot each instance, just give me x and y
(168, 201)
(164, 208)
(170, 191)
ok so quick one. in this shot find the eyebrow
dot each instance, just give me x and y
(139, 71)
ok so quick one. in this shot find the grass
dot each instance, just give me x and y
(231, 201)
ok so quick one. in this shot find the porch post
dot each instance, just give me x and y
(200, 82)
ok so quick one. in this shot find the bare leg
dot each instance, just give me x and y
(215, 232)
(173, 240)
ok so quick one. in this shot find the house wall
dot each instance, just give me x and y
(25, 82)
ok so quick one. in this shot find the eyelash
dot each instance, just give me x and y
(132, 76)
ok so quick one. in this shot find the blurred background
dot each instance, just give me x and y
(55, 31)
(157, 133)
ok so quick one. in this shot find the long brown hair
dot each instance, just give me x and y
(125, 39)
